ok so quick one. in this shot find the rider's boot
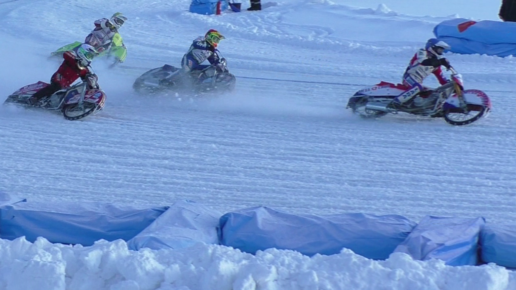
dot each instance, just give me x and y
(44, 92)
(405, 97)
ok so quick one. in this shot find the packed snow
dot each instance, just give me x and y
(282, 139)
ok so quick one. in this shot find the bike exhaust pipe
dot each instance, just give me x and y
(377, 107)
(152, 83)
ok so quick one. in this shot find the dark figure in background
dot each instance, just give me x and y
(508, 10)
(255, 5)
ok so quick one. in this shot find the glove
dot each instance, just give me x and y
(445, 63)
(220, 67)
(92, 79)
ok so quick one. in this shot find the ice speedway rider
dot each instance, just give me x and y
(102, 36)
(426, 61)
(202, 48)
(76, 64)
(192, 78)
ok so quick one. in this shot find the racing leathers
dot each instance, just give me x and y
(105, 37)
(199, 51)
(101, 36)
(421, 65)
(69, 71)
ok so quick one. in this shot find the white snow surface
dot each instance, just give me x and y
(283, 139)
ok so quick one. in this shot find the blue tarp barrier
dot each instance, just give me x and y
(498, 244)
(184, 224)
(207, 7)
(483, 37)
(260, 228)
(8, 199)
(453, 240)
(73, 223)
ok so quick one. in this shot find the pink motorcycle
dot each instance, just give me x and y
(75, 102)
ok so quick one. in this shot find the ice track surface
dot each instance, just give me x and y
(283, 139)
(286, 144)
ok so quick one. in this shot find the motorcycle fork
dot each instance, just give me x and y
(443, 95)
(80, 102)
(460, 95)
(439, 103)
(81, 99)
(61, 102)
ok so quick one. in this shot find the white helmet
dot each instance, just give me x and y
(117, 20)
(436, 47)
(86, 53)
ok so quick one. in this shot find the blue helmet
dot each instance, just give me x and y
(436, 46)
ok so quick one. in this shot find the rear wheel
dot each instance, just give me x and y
(11, 99)
(231, 84)
(153, 76)
(227, 83)
(141, 88)
(138, 86)
(152, 82)
(75, 111)
(458, 117)
(358, 106)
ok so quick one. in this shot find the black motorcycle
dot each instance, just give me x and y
(170, 79)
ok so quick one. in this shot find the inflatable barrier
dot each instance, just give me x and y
(254, 229)
(453, 240)
(72, 223)
(183, 225)
(483, 37)
(498, 243)
(456, 241)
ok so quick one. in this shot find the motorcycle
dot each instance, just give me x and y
(212, 79)
(449, 101)
(115, 50)
(75, 102)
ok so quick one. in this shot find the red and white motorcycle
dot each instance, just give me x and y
(75, 102)
(449, 101)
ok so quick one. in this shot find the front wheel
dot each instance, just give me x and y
(75, 111)
(224, 83)
(459, 117)
(142, 88)
(231, 83)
